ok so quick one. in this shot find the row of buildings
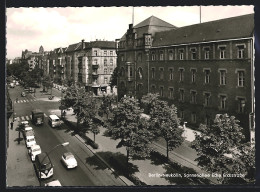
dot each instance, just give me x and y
(88, 64)
(204, 69)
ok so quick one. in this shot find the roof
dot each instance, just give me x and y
(153, 21)
(230, 28)
(72, 47)
(151, 25)
(92, 44)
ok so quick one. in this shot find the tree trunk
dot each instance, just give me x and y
(19, 137)
(127, 156)
(51, 91)
(167, 149)
(94, 137)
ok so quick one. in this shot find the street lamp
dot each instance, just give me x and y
(47, 154)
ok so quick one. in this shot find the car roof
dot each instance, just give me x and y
(28, 128)
(54, 117)
(54, 183)
(23, 122)
(35, 147)
(68, 154)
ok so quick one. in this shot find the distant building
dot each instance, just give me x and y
(204, 69)
(33, 58)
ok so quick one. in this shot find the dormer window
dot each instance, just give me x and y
(193, 53)
(240, 51)
(181, 54)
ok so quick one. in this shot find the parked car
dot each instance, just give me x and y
(53, 183)
(69, 160)
(34, 150)
(30, 141)
(23, 94)
(26, 130)
(26, 123)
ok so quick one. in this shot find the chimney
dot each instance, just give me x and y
(82, 44)
(130, 26)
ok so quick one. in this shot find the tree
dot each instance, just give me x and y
(163, 121)
(114, 76)
(106, 105)
(128, 126)
(220, 148)
(20, 129)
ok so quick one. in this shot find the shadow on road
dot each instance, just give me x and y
(117, 161)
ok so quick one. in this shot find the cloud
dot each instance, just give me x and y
(29, 28)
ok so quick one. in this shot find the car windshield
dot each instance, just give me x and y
(46, 166)
(36, 149)
(30, 140)
(69, 157)
(55, 120)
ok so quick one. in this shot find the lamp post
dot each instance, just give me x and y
(47, 154)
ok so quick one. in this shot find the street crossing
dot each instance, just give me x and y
(27, 117)
(25, 100)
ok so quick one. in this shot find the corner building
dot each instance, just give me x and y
(204, 69)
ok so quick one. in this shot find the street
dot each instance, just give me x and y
(47, 137)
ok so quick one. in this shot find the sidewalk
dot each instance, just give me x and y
(19, 167)
(146, 170)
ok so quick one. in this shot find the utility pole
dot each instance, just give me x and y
(133, 15)
(200, 14)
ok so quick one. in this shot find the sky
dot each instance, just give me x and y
(29, 28)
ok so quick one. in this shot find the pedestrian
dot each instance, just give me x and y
(12, 124)
(16, 99)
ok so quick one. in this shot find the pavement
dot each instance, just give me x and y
(18, 160)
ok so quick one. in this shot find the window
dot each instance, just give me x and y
(170, 92)
(105, 62)
(130, 71)
(111, 61)
(111, 53)
(139, 87)
(122, 72)
(206, 53)
(241, 78)
(207, 76)
(240, 52)
(181, 75)
(105, 53)
(111, 70)
(193, 117)
(95, 52)
(171, 74)
(222, 77)
(105, 80)
(181, 54)
(181, 95)
(161, 55)
(170, 55)
(139, 57)
(153, 89)
(161, 91)
(193, 75)
(105, 70)
(223, 102)
(207, 120)
(95, 61)
(182, 114)
(193, 54)
(122, 57)
(161, 73)
(153, 73)
(222, 52)
(153, 56)
(206, 99)
(241, 105)
(193, 97)
(140, 72)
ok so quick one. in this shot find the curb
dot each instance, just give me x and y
(124, 179)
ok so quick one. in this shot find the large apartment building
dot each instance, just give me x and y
(204, 69)
(88, 64)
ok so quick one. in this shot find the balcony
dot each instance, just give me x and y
(94, 75)
(95, 66)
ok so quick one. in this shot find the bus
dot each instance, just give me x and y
(43, 165)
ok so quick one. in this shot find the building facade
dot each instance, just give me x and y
(204, 69)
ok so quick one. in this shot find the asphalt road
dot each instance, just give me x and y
(96, 174)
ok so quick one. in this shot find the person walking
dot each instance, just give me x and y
(16, 99)
(12, 124)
